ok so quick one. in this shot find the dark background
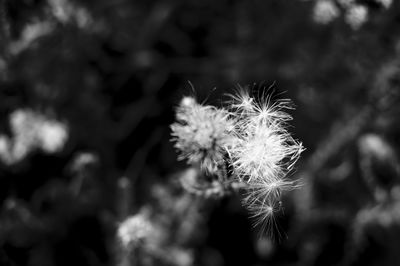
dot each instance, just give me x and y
(115, 69)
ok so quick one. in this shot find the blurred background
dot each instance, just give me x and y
(87, 94)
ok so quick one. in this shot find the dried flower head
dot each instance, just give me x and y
(249, 140)
(262, 146)
(264, 151)
(201, 133)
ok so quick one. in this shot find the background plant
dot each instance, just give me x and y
(111, 72)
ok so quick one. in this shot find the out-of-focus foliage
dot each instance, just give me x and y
(109, 73)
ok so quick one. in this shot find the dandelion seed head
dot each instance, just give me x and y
(263, 153)
(202, 133)
(264, 150)
(259, 153)
(251, 137)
